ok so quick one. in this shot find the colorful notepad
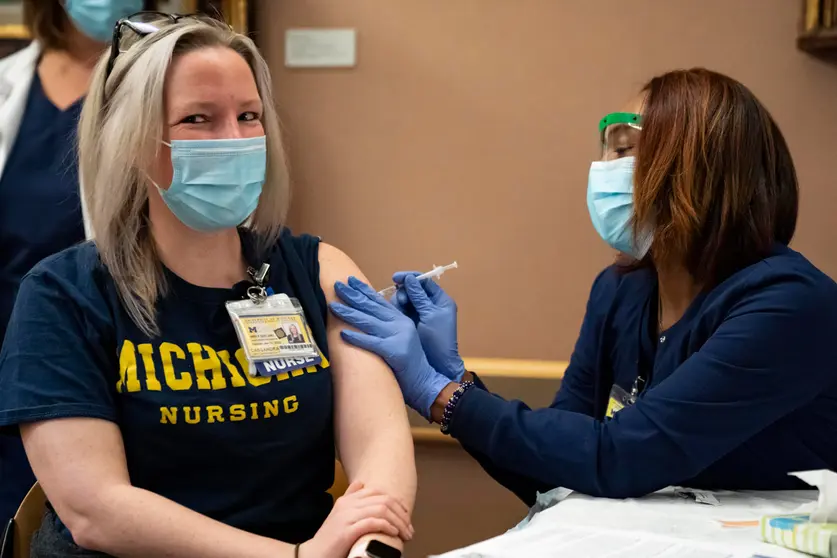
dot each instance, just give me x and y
(798, 533)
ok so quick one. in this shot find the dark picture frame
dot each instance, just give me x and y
(240, 14)
(13, 34)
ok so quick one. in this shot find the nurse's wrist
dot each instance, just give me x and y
(437, 410)
(456, 391)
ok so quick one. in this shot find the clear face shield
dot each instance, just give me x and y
(619, 133)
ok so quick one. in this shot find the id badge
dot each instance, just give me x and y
(619, 399)
(273, 330)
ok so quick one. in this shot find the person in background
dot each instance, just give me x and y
(122, 367)
(706, 359)
(40, 213)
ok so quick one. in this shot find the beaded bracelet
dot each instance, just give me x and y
(451, 405)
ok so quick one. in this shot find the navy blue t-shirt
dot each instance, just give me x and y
(255, 453)
(740, 391)
(40, 214)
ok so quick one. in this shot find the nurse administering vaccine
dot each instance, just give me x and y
(40, 209)
(706, 356)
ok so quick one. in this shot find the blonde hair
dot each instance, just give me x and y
(120, 133)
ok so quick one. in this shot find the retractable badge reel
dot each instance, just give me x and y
(272, 329)
(619, 398)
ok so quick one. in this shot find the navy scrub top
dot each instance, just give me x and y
(741, 391)
(40, 214)
(256, 453)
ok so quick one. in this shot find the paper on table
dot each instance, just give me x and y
(660, 525)
(825, 510)
(543, 501)
(699, 496)
(573, 542)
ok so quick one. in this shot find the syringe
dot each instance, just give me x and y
(434, 273)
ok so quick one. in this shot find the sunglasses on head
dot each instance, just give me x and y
(142, 24)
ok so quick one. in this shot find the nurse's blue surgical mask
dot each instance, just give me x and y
(96, 18)
(610, 200)
(215, 184)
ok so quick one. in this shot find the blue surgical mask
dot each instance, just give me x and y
(610, 200)
(96, 18)
(216, 184)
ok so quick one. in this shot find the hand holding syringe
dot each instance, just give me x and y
(436, 272)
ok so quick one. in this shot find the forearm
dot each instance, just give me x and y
(374, 441)
(373, 435)
(381, 455)
(626, 458)
(371, 424)
(131, 522)
(547, 451)
(522, 486)
(373, 438)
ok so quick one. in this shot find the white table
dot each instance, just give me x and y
(661, 525)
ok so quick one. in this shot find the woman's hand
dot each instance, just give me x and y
(434, 313)
(360, 511)
(391, 335)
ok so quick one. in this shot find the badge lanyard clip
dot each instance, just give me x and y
(639, 385)
(257, 293)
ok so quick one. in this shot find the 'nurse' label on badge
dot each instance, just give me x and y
(280, 365)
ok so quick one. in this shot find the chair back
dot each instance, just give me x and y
(18, 534)
(341, 483)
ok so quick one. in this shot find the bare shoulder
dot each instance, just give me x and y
(335, 265)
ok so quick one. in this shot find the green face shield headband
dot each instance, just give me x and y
(619, 133)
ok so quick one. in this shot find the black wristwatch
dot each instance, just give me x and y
(377, 549)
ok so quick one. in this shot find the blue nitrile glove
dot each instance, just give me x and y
(434, 313)
(392, 336)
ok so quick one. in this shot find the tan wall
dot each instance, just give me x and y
(466, 132)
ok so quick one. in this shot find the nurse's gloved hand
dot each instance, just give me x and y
(387, 332)
(434, 313)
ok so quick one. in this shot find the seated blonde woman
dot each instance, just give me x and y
(123, 369)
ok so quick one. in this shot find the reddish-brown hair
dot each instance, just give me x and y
(47, 22)
(714, 178)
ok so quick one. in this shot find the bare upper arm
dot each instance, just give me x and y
(366, 393)
(335, 265)
(73, 458)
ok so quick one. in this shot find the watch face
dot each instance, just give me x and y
(377, 549)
